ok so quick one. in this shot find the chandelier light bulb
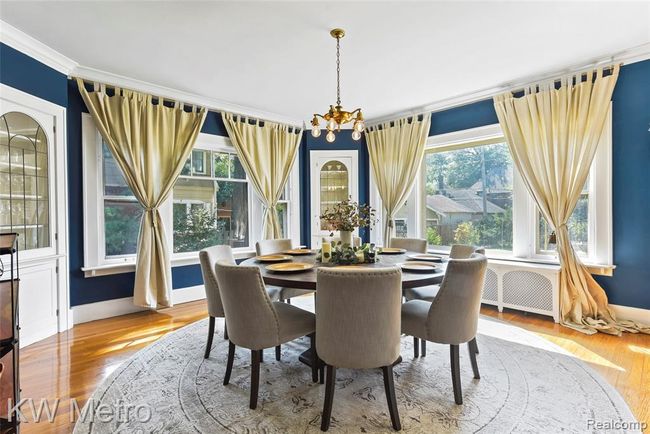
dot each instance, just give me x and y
(330, 137)
(315, 131)
(356, 135)
(331, 124)
(359, 126)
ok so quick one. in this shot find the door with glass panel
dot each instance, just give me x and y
(334, 178)
(29, 207)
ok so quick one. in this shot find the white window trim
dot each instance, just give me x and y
(95, 261)
(524, 212)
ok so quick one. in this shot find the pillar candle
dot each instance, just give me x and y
(326, 252)
(360, 256)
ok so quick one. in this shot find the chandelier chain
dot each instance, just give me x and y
(338, 72)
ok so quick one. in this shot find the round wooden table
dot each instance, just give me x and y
(307, 279)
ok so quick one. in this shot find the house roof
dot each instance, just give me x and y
(464, 201)
(444, 205)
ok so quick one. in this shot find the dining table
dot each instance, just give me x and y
(306, 279)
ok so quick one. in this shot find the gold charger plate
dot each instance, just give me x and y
(290, 267)
(419, 267)
(272, 258)
(298, 252)
(426, 257)
(392, 251)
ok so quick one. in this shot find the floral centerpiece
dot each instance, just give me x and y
(338, 253)
(346, 216)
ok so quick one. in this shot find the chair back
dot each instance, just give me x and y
(356, 241)
(250, 316)
(453, 316)
(267, 247)
(208, 258)
(358, 316)
(461, 251)
(418, 245)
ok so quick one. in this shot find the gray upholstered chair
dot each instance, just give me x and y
(452, 317)
(208, 258)
(418, 245)
(358, 327)
(268, 247)
(255, 322)
(355, 240)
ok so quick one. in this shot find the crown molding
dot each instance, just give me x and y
(631, 55)
(35, 49)
(92, 74)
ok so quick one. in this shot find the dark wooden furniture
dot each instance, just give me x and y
(307, 279)
(9, 378)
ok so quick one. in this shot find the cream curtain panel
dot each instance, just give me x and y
(267, 153)
(553, 135)
(396, 150)
(150, 143)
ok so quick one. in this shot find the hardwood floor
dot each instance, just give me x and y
(72, 364)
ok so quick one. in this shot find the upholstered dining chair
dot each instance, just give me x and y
(355, 240)
(268, 247)
(452, 317)
(418, 245)
(255, 322)
(208, 258)
(358, 327)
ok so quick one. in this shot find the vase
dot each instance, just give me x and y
(346, 238)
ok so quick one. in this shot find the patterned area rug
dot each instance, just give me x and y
(527, 385)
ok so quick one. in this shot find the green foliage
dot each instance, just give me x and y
(462, 168)
(348, 215)
(343, 254)
(197, 229)
(496, 230)
(122, 226)
(466, 233)
(433, 237)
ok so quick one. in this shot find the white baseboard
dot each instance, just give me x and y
(122, 306)
(631, 313)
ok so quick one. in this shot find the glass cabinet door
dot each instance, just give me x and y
(334, 185)
(24, 181)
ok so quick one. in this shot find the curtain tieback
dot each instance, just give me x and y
(390, 223)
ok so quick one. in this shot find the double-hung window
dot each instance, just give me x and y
(212, 202)
(470, 192)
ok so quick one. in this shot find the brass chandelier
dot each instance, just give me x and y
(336, 116)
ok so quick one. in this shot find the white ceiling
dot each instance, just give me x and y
(278, 56)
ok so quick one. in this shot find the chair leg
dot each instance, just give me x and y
(261, 356)
(231, 358)
(225, 331)
(329, 397)
(416, 347)
(255, 376)
(208, 345)
(278, 353)
(475, 345)
(288, 301)
(314, 358)
(389, 386)
(473, 351)
(424, 347)
(455, 373)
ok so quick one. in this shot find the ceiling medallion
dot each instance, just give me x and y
(336, 116)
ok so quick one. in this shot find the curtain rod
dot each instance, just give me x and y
(632, 53)
(207, 106)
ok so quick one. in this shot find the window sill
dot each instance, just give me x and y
(128, 266)
(597, 269)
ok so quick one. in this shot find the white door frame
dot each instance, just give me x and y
(316, 159)
(59, 174)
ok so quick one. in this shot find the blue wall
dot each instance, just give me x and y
(631, 191)
(343, 142)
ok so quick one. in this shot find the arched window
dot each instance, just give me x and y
(334, 185)
(24, 181)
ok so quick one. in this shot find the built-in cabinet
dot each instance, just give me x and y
(334, 178)
(33, 204)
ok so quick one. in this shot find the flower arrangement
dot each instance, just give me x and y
(343, 254)
(348, 215)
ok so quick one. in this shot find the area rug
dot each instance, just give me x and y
(527, 385)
